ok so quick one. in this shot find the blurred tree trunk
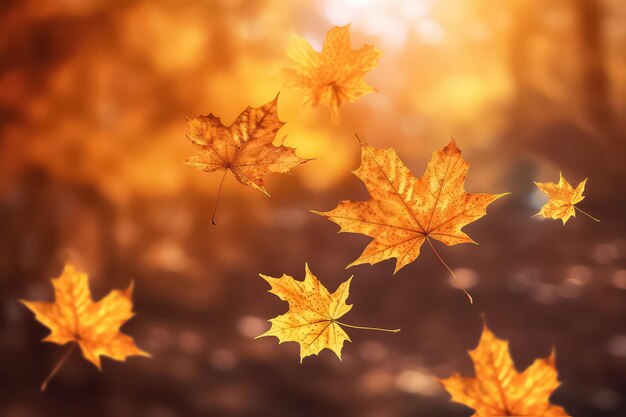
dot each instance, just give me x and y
(595, 79)
(581, 123)
(522, 27)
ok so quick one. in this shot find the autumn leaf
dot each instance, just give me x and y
(312, 319)
(403, 212)
(562, 199)
(94, 326)
(244, 148)
(498, 389)
(334, 76)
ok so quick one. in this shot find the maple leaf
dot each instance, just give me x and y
(93, 326)
(403, 212)
(334, 76)
(562, 199)
(312, 319)
(499, 389)
(244, 148)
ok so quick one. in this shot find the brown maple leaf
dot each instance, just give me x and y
(93, 326)
(403, 212)
(244, 148)
(334, 76)
(499, 389)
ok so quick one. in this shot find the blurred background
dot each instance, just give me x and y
(93, 98)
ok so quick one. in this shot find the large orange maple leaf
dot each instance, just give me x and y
(499, 389)
(403, 212)
(334, 76)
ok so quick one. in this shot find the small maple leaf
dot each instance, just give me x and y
(562, 199)
(93, 326)
(244, 148)
(334, 76)
(403, 212)
(312, 319)
(499, 389)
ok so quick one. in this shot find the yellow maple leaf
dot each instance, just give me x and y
(499, 389)
(244, 148)
(334, 76)
(312, 319)
(94, 326)
(403, 212)
(562, 199)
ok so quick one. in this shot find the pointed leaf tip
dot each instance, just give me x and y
(451, 148)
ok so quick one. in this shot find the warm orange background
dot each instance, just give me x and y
(93, 98)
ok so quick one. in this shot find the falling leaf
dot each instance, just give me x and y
(403, 212)
(94, 326)
(244, 148)
(562, 199)
(312, 319)
(499, 389)
(334, 76)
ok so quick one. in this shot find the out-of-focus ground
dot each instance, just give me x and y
(93, 98)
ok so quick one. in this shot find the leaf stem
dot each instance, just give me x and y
(217, 201)
(58, 366)
(368, 328)
(586, 214)
(456, 279)
(359, 139)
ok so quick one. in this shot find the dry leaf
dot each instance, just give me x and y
(94, 326)
(562, 199)
(312, 319)
(245, 147)
(499, 389)
(334, 76)
(403, 211)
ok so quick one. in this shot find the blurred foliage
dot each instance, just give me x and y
(93, 100)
